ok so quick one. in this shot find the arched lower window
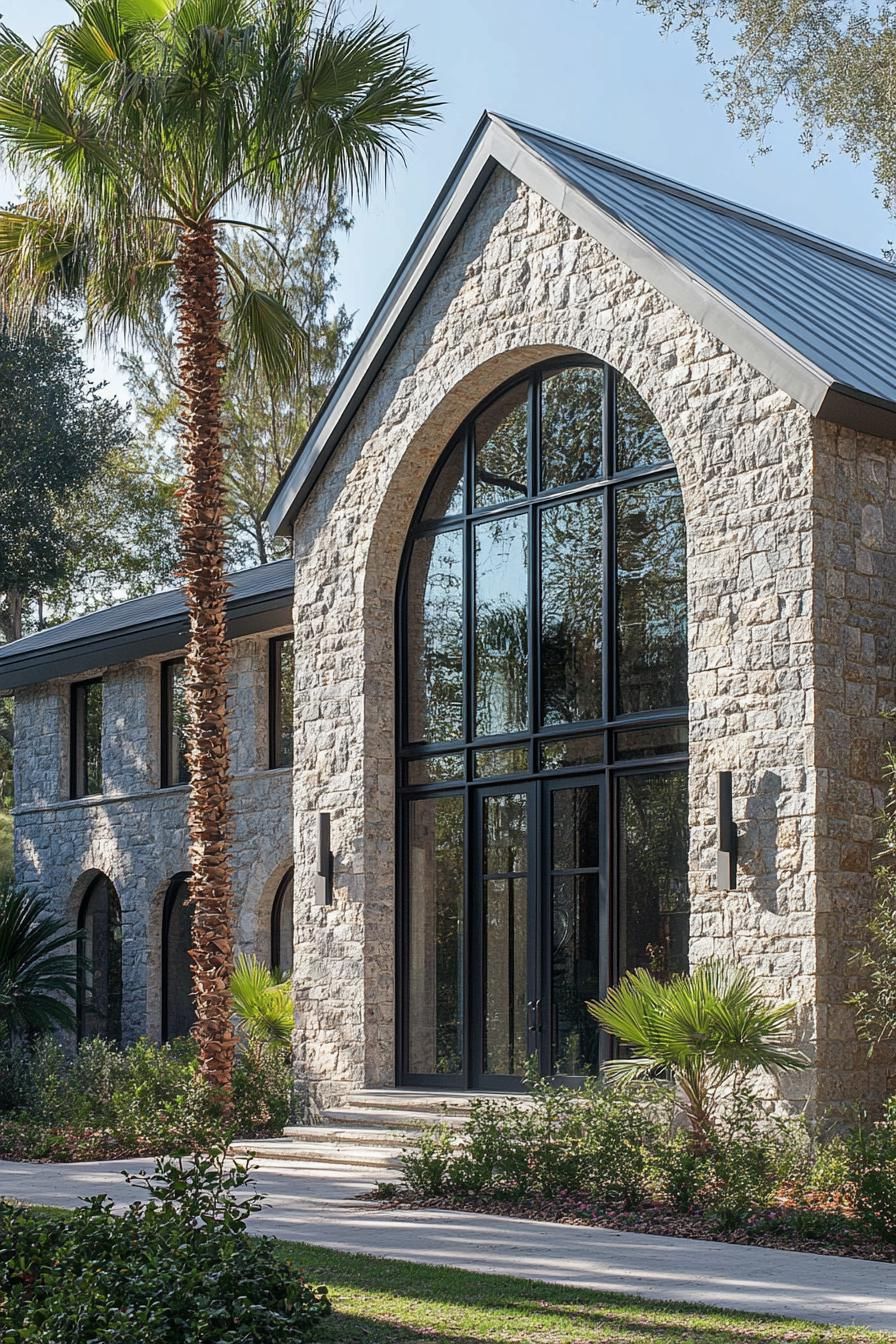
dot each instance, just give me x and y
(178, 1011)
(99, 962)
(543, 709)
(281, 926)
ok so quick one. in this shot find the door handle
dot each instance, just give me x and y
(533, 1009)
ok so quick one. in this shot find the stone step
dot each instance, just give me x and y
(384, 1161)
(376, 1136)
(420, 1099)
(366, 1117)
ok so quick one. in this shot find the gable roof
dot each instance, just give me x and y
(260, 599)
(817, 318)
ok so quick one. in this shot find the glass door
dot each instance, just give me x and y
(575, 962)
(503, 951)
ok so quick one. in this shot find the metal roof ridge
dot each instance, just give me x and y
(718, 204)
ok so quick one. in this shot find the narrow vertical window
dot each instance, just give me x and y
(99, 962)
(87, 739)
(281, 690)
(178, 1009)
(281, 927)
(174, 725)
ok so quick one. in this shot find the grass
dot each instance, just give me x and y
(380, 1301)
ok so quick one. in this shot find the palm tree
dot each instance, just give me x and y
(38, 970)
(706, 1030)
(138, 131)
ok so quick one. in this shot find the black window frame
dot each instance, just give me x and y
(175, 886)
(613, 729)
(276, 757)
(78, 755)
(166, 727)
(286, 884)
(114, 984)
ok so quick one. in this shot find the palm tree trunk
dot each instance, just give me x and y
(201, 358)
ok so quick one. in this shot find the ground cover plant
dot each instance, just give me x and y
(147, 1099)
(177, 1268)
(391, 1302)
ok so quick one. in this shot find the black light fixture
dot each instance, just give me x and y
(323, 882)
(726, 858)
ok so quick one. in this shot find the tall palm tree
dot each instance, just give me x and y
(138, 132)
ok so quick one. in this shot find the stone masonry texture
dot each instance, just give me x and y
(791, 548)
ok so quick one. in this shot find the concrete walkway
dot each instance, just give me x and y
(315, 1203)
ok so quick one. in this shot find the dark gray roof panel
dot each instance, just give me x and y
(833, 304)
(260, 599)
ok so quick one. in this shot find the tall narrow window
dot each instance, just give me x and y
(174, 724)
(281, 693)
(87, 739)
(178, 1012)
(99, 962)
(281, 926)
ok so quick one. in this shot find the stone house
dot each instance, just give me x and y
(595, 533)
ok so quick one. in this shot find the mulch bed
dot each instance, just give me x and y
(835, 1230)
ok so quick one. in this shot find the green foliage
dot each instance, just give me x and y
(875, 1002)
(707, 1031)
(178, 1268)
(873, 1150)
(262, 1002)
(38, 970)
(59, 431)
(593, 1140)
(829, 61)
(262, 1093)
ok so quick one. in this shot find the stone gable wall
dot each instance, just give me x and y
(521, 284)
(136, 833)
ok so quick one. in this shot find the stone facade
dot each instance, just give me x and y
(135, 833)
(791, 530)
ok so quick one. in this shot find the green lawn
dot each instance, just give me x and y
(391, 1302)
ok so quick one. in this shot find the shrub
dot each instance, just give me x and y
(425, 1165)
(873, 1152)
(262, 1093)
(180, 1268)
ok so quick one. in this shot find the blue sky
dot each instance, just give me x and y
(602, 75)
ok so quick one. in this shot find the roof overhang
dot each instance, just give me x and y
(23, 667)
(493, 144)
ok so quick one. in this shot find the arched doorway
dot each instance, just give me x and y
(282, 926)
(99, 962)
(178, 1011)
(543, 727)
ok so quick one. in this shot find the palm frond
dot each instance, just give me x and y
(263, 333)
(38, 968)
(262, 1002)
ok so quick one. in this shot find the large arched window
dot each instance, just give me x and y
(99, 962)
(281, 926)
(543, 690)
(178, 1011)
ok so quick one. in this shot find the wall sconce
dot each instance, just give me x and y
(726, 858)
(323, 882)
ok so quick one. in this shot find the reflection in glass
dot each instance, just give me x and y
(505, 933)
(501, 443)
(504, 833)
(502, 625)
(501, 761)
(652, 598)
(654, 904)
(639, 440)
(99, 962)
(575, 977)
(557, 752)
(446, 494)
(571, 610)
(572, 403)
(174, 725)
(670, 739)
(436, 934)
(575, 827)
(435, 638)
(436, 769)
(282, 692)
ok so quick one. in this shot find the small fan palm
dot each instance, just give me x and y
(38, 969)
(262, 1002)
(708, 1030)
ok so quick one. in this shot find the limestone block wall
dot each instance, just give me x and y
(521, 284)
(136, 833)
